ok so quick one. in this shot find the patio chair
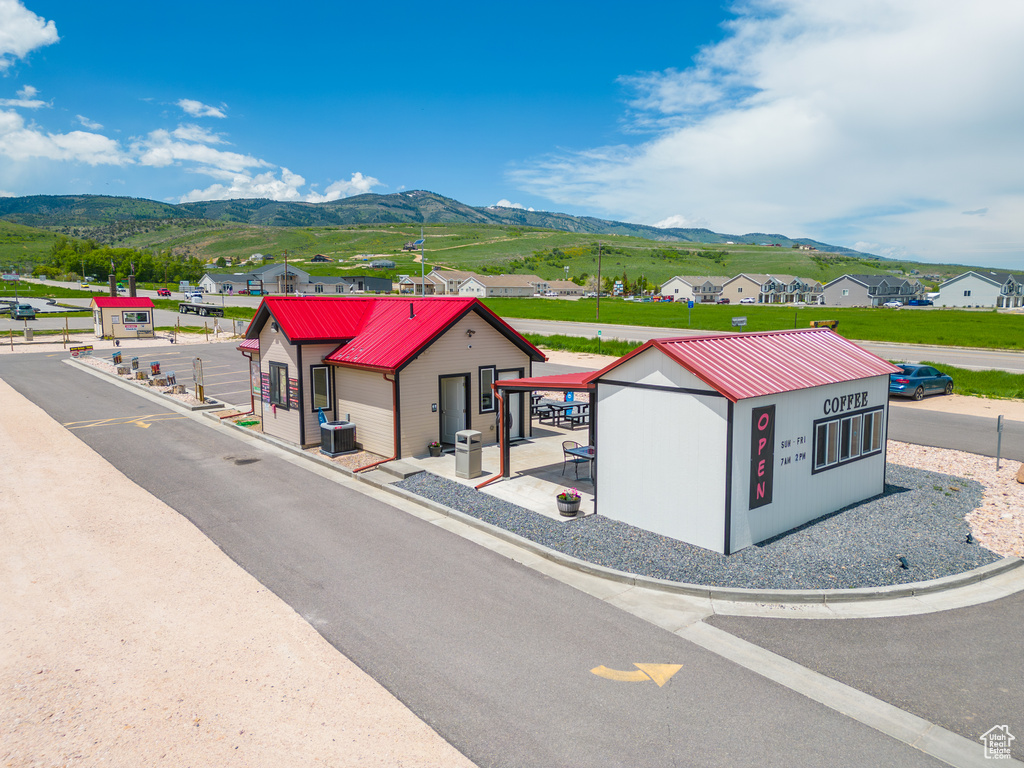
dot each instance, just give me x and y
(569, 458)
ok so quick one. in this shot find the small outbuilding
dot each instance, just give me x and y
(123, 317)
(405, 371)
(724, 441)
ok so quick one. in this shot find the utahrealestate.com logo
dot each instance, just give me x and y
(997, 742)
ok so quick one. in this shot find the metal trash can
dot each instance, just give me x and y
(28, 334)
(337, 438)
(468, 447)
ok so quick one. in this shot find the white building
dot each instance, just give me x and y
(725, 441)
(982, 288)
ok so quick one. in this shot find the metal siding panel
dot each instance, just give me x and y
(662, 458)
(800, 496)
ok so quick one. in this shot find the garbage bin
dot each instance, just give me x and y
(468, 446)
(337, 438)
(28, 334)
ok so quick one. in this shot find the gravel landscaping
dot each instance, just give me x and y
(920, 517)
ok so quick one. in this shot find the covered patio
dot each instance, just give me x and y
(532, 470)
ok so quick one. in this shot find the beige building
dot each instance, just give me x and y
(697, 288)
(122, 317)
(405, 372)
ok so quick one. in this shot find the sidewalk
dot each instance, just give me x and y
(130, 639)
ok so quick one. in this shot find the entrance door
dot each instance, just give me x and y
(453, 407)
(515, 406)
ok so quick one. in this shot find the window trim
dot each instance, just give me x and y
(833, 430)
(480, 380)
(282, 397)
(312, 390)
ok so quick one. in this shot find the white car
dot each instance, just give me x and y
(893, 304)
(748, 300)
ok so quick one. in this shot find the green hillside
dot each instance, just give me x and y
(487, 240)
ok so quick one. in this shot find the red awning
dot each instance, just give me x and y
(564, 381)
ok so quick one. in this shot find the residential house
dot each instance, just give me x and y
(449, 280)
(699, 289)
(564, 288)
(982, 288)
(274, 278)
(870, 290)
(404, 371)
(743, 286)
(486, 286)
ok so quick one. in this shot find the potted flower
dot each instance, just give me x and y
(434, 448)
(568, 502)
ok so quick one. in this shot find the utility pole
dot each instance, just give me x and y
(423, 264)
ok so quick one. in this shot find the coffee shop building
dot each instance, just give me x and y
(725, 441)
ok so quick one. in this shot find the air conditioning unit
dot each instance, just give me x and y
(337, 438)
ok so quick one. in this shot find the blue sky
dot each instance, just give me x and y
(892, 126)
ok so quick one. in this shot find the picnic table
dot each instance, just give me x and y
(554, 413)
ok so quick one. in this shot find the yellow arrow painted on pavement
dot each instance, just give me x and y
(659, 673)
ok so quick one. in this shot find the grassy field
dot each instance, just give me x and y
(502, 249)
(995, 384)
(947, 327)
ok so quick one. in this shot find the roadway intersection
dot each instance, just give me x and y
(498, 657)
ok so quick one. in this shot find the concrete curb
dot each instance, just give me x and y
(728, 594)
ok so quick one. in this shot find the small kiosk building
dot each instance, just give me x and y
(122, 317)
(726, 441)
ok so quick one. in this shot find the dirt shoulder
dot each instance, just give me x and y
(129, 639)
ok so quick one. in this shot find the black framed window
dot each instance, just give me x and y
(279, 384)
(843, 439)
(488, 375)
(320, 387)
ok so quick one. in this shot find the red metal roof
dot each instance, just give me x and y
(381, 332)
(250, 345)
(123, 301)
(578, 380)
(748, 365)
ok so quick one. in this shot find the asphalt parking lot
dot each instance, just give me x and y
(225, 369)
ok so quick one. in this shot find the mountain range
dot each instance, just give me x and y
(415, 207)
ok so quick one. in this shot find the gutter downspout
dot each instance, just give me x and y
(501, 438)
(394, 420)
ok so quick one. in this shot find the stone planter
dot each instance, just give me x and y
(435, 450)
(568, 508)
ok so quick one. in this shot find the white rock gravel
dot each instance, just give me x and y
(129, 639)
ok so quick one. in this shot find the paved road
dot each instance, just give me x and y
(959, 669)
(494, 656)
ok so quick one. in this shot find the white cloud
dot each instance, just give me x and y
(160, 149)
(357, 185)
(198, 109)
(677, 221)
(197, 133)
(21, 32)
(87, 123)
(21, 142)
(503, 203)
(878, 121)
(26, 99)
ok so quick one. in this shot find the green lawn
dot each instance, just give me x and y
(945, 327)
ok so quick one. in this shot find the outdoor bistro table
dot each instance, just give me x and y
(585, 452)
